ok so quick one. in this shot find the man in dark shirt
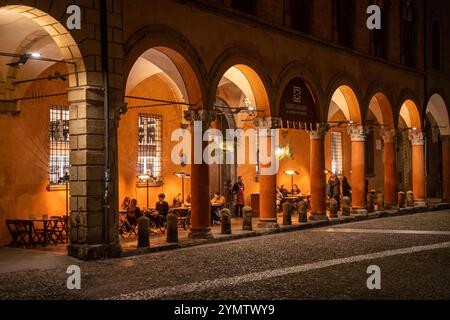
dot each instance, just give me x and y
(162, 210)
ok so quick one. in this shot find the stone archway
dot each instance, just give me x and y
(38, 31)
(381, 121)
(411, 137)
(438, 139)
(241, 81)
(345, 116)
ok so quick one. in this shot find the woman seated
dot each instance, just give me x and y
(133, 213)
(177, 201)
(217, 203)
(188, 201)
(125, 204)
(295, 190)
(280, 199)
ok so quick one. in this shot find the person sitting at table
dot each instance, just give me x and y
(125, 204)
(162, 210)
(295, 190)
(188, 201)
(280, 199)
(133, 213)
(284, 191)
(217, 203)
(177, 201)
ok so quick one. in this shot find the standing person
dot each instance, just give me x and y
(337, 190)
(330, 187)
(238, 192)
(346, 188)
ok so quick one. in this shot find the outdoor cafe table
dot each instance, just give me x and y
(27, 232)
(304, 197)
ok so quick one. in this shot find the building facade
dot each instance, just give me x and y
(375, 104)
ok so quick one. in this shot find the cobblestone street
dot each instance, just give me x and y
(413, 253)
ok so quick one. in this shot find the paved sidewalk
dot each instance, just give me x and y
(18, 259)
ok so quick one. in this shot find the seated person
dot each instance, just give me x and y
(280, 198)
(295, 190)
(217, 202)
(284, 191)
(188, 201)
(177, 201)
(162, 210)
(125, 204)
(133, 213)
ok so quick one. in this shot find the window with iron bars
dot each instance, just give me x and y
(336, 153)
(59, 144)
(150, 146)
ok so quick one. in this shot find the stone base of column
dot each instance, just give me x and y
(200, 234)
(318, 217)
(359, 211)
(94, 252)
(391, 206)
(420, 203)
(268, 224)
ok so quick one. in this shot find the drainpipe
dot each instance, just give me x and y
(425, 68)
(104, 52)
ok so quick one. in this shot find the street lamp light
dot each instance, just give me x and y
(292, 173)
(146, 178)
(183, 175)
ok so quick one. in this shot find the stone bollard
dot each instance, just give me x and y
(302, 211)
(333, 208)
(380, 201)
(346, 206)
(410, 199)
(371, 199)
(225, 221)
(172, 227)
(143, 232)
(401, 199)
(287, 214)
(247, 213)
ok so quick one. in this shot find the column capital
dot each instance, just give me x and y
(268, 123)
(205, 116)
(320, 132)
(389, 135)
(417, 138)
(357, 133)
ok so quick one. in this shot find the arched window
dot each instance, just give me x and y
(380, 36)
(345, 21)
(408, 32)
(299, 12)
(436, 45)
(247, 6)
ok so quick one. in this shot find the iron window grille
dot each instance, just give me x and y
(336, 153)
(150, 146)
(59, 144)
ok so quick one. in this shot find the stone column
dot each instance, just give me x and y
(390, 170)
(445, 168)
(267, 130)
(200, 197)
(317, 172)
(418, 167)
(87, 230)
(358, 178)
